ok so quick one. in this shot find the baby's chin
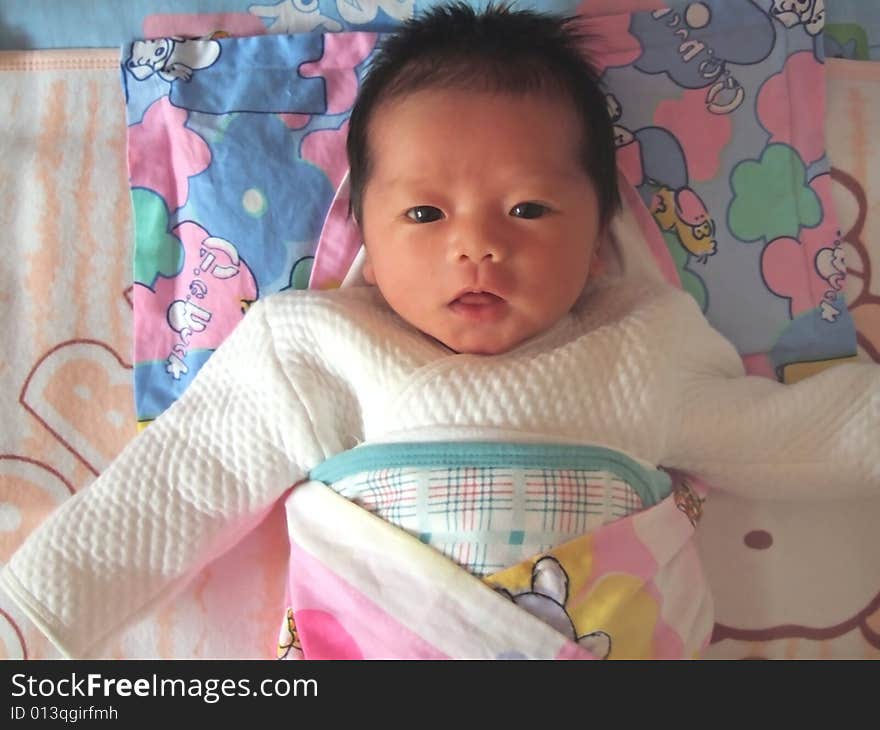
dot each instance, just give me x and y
(482, 341)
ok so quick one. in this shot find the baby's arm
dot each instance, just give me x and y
(188, 488)
(758, 438)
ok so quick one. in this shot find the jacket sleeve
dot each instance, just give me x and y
(185, 490)
(755, 437)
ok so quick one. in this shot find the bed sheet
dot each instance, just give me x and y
(65, 365)
(792, 580)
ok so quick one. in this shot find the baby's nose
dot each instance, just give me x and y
(477, 242)
(477, 254)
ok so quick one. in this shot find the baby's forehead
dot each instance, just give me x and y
(555, 105)
(552, 92)
(529, 126)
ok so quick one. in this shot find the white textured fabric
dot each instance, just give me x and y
(634, 367)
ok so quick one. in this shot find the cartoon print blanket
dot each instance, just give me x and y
(360, 588)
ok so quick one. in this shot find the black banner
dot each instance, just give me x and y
(134, 693)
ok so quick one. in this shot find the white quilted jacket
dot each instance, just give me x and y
(634, 367)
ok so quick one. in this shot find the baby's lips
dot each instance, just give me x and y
(478, 298)
(476, 295)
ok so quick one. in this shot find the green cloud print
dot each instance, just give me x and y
(156, 251)
(300, 273)
(772, 197)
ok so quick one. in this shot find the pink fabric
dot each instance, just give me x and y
(636, 582)
(702, 134)
(791, 123)
(651, 234)
(190, 25)
(317, 593)
(161, 137)
(201, 318)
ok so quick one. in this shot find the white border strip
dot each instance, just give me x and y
(76, 59)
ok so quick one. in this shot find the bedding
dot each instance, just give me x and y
(66, 360)
(638, 579)
(67, 388)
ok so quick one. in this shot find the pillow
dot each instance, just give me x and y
(237, 158)
(720, 109)
(235, 149)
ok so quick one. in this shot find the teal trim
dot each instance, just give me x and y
(652, 485)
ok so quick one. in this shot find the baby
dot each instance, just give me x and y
(488, 391)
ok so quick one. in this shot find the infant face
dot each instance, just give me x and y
(479, 221)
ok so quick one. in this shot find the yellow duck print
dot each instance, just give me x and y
(683, 212)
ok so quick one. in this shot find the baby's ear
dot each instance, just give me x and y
(597, 265)
(369, 274)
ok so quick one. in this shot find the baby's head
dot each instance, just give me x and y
(482, 174)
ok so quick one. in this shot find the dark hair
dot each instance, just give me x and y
(496, 50)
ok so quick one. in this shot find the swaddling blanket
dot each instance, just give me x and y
(362, 588)
(489, 505)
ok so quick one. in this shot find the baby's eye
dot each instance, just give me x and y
(424, 214)
(528, 210)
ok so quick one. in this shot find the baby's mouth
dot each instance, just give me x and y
(479, 306)
(478, 298)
